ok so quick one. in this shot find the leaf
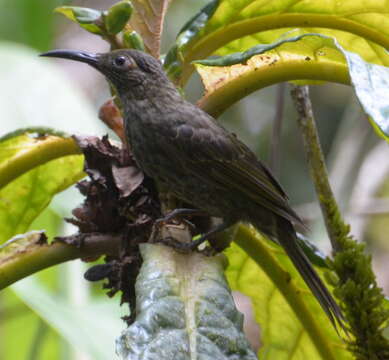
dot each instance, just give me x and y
(32, 171)
(118, 16)
(293, 58)
(147, 20)
(306, 56)
(370, 82)
(85, 17)
(172, 62)
(81, 326)
(236, 25)
(184, 310)
(293, 325)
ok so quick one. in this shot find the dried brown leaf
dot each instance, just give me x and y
(147, 20)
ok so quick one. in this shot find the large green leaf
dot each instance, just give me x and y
(293, 325)
(304, 56)
(32, 170)
(184, 310)
(236, 25)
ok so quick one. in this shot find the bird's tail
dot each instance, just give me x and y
(286, 237)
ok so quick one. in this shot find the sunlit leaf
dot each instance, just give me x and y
(118, 16)
(237, 25)
(285, 334)
(184, 310)
(306, 56)
(32, 171)
(85, 17)
(147, 20)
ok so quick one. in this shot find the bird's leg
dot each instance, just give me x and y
(179, 212)
(194, 244)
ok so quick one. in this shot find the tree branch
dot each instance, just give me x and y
(36, 256)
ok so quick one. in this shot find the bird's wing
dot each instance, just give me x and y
(218, 155)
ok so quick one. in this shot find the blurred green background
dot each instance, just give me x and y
(53, 315)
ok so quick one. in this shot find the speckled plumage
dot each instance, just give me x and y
(193, 157)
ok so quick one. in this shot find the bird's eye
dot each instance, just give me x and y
(120, 61)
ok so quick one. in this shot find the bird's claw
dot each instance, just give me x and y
(178, 245)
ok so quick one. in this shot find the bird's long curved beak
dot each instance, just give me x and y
(89, 58)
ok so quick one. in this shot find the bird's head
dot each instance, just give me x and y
(133, 73)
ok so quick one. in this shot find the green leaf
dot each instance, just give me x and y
(87, 18)
(280, 61)
(81, 326)
(293, 325)
(236, 25)
(118, 16)
(184, 310)
(32, 170)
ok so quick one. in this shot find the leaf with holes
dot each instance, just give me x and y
(304, 56)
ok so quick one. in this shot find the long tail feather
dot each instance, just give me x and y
(286, 237)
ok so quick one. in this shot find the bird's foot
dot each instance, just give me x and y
(183, 247)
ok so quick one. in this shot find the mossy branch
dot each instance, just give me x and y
(362, 300)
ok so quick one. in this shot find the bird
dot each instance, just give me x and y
(193, 157)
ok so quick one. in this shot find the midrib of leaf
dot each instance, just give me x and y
(186, 292)
(245, 239)
(216, 39)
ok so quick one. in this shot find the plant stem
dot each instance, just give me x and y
(36, 257)
(329, 207)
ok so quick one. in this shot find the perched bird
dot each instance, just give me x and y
(191, 156)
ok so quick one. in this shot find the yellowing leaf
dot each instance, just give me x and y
(236, 25)
(306, 56)
(294, 58)
(32, 171)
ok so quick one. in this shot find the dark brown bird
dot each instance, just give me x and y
(194, 158)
